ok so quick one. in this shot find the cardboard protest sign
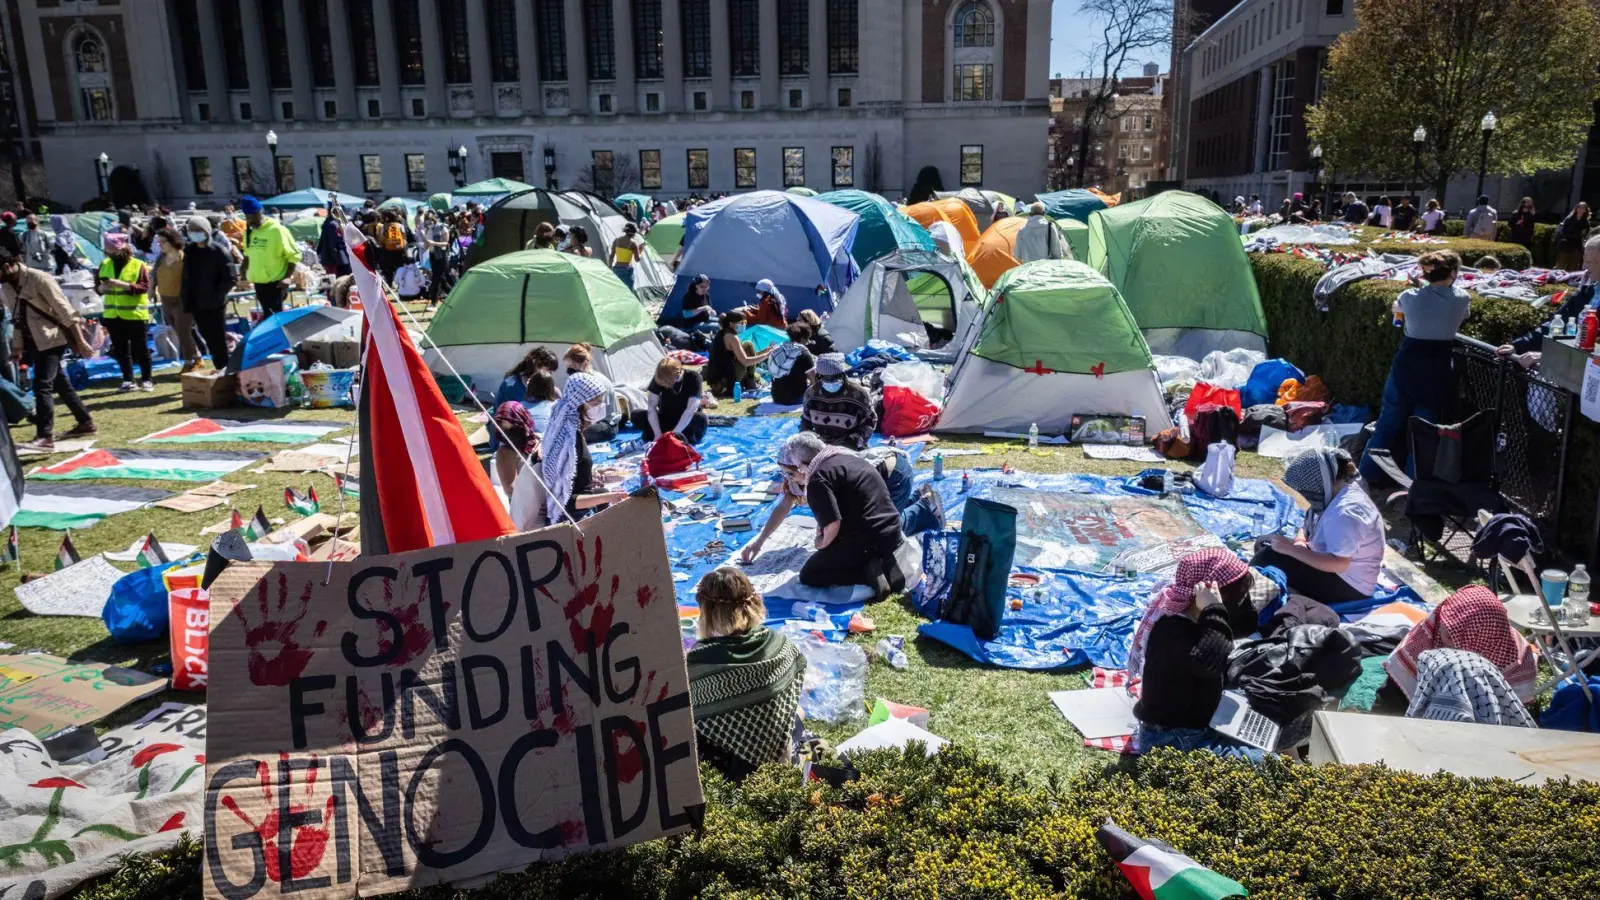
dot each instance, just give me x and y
(440, 715)
(47, 694)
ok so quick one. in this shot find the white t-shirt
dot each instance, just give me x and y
(1431, 219)
(1352, 527)
(1384, 215)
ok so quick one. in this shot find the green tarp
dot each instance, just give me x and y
(1177, 259)
(1061, 315)
(883, 229)
(538, 296)
(439, 203)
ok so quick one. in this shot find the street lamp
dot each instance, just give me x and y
(1488, 124)
(460, 166)
(102, 167)
(549, 167)
(272, 147)
(1418, 138)
(1316, 170)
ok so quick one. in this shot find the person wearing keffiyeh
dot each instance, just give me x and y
(1342, 553)
(68, 255)
(567, 471)
(1471, 619)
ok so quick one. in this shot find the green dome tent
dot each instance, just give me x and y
(307, 228)
(883, 229)
(663, 236)
(502, 308)
(1053, 340)
(802, 192)
(439, 202)
(1077, 234)
(1179, 264)
(491, 187)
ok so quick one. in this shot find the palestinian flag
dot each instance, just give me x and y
(157, 465)
(258, 527)
(151, 553)
(1158, 872)
(348, 485)
(216, 431)
(62, 506)
(303, 504)
(67, 555)
(13, 551)
(236, 523)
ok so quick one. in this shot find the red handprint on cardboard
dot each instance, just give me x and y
(277, 652)
(307, 843)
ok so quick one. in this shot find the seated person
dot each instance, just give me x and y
(580, 358)
(744, 680)
(567, 469)
(698, 314)
(858, 528)
(1461, 686)
(516, 423)
(730, 359)
(821, 341)
(790, 366)
(1341, 558)
(674, 404)
(515, 385)
(1180, 652)
(837, 409)
(1472, 619)
(770, 308)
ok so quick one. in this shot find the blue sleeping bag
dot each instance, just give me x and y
(1265, 378)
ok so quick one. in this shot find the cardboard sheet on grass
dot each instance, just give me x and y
(44, 694)
(445, 714)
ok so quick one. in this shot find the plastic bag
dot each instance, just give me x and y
(1171, 368)
(918, 376)
(1216, 476)
(906, 412)
(835, 688)
(137, 608)
(1230, 368)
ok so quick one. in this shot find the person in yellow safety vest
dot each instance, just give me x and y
(124, 281)
(270, 256)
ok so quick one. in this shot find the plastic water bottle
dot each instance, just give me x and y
(938, 466)
(1033, 436)
(1572, 326)
(1556, 328)
(1577, 606)
(966, 481)
(738, 388)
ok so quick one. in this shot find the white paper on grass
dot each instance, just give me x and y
(80, 589)
(1120, 451)
(1098, 712)
(1283, 444)
(892, 734)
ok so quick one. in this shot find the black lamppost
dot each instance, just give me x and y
(459, 165)
(454, 162)
(1418, 138)
(549, 167)
(102, 167)
(272, 148)
(1488, 124)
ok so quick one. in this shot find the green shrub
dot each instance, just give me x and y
(1543, 248)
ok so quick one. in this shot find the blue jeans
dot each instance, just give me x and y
(1421, 382)
(625, 273)
(1390, 431)
(916, 516)
(1151, 737)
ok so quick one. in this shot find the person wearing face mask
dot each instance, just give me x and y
(837, 409)
(36, 247)
(579, 358)
(169, 287)
(271, 256)
(770, 309)
(207, 279)
(567, 470)
(732, 359)
(46, 325)
(124, 281)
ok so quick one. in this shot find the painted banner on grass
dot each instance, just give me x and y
(442, 714)
(201, 430)
(154, 465)
(63, 506)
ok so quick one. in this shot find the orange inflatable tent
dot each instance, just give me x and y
(948, 210)
(992, 255)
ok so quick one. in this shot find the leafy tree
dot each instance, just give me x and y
(1443, 65)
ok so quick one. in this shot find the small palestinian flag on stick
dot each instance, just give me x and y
(349, 485)
(304, 504)
(258, 527)
(68, 554)
(151, 553)
(236, 523)
(1158, 872)
(13, 552)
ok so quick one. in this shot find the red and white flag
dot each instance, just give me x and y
(422, 484)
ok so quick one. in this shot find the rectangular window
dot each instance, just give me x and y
(1126, 125)
(696, 16)
(1335, 7)
(744, 167)
(330, 109)
(796, 98)
(794, 167)
(503, 40)
(699, 101)
(1282, 112)
(744, 36)
(364, 33)
(418, 108)
(971, 165)
(843, 38)
(288, 111)
(604, 172)
(844, 167)
(203, 110)
(1149, 122)
(650, 170)
(285, 174)
(315, 15)
(601, 40)
(97, 104)
(648, 40)
(276, 33)
(200, 167)
(747, 99)
(245, 111)
(244, 175)
(551, 29)
(1144, 153)
(328, 172)
(844, 96)
(794, 37)
(374, 108)
(416, 173)
(408, 40)
(452, 26)
(605, 103)
(972, 81)
(194, 63)
(232, 26)
(1122, 151)
(699, 169)
(652, 102)
(371, 173)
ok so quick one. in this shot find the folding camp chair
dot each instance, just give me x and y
(1531, 615)
(1454, 478)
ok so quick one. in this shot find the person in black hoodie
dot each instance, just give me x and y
(206, 282)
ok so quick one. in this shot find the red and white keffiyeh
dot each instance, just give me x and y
(1472, 619)
(1216, 564)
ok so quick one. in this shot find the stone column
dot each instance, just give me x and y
(721, 57)
(482, 60)
(433, 59)
(577, 59)
(255, 61)
(672, 55)
(817, 34)
(344, 66)
(528, 62)
(294, 26)
(622, 41)
(216, 65)
(388, 57)
(768, 30)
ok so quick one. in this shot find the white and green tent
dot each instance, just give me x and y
(900, 295)
(502, 308)
(1053, 340)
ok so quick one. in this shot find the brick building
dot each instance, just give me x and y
(1130, 150)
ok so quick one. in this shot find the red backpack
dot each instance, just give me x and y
(669, 455)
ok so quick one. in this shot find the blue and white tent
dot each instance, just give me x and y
(799, 243)
(309, 198)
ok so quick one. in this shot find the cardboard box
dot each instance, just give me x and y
(210, 390)
(339, 354)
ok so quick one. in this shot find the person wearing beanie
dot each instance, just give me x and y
(207, 279)
(271, 256)
(837, 409)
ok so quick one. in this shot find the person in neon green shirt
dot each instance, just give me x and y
(124, 281)
(270, 256)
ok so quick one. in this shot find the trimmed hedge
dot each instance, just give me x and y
(957, 826)
(1543, 247)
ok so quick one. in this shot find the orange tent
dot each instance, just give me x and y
(948, 210)
(992, 255)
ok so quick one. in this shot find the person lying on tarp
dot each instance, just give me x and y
(674, 404)
(744, 679)
(1342, 553)
(1180, 654)
(920, 509)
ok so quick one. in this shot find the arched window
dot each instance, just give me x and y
(89, 55)
(974, 25)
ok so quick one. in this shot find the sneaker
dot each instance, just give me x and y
(927, 495)
(38, 445)
(82, 429)
(146, 386)
(125, 387)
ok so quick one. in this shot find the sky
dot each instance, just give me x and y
(1072, 36)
